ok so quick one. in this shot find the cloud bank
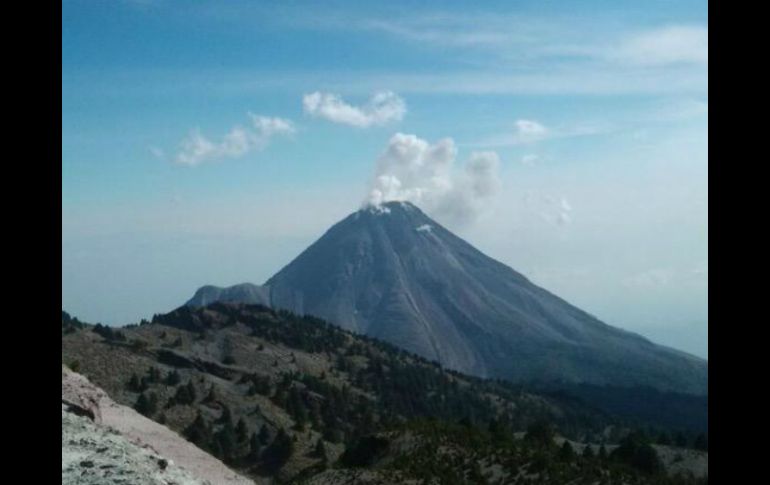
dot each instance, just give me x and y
(197, 149)
(412, 169)
(383, 107)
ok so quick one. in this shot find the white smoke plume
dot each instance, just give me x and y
(411, 169)
(382, 108)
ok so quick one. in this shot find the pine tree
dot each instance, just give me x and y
(134, 384)
(566, 453)
(185, 394)
(320, 449)
(701, 442)
(602, 452)
(146, 404)
(241, 431)
(635, 450)
(541, 433)
(199, 432)
(264, 434)
(153, 375)
(142, 404)
(226, 416)
(173, 378)
(255, 446)
(211, 396)
(191, 391)
(216, 449)
(278, 453)
(227, 441)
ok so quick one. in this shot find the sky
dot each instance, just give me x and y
(211, 142)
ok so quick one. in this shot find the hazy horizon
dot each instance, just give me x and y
(211, 144)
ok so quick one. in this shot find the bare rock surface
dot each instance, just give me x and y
(96, 455)
(119, 445)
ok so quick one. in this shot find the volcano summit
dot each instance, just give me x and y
(393, 273)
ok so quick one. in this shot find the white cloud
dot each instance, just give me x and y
(411, 169)
(652, 278)
(664, 46)
(267, 127)
(197, 149)
(383, 107)
(516, 37)
(555, 211)
(528, 131)
(529, 159)
(443, 31)
(157, 152)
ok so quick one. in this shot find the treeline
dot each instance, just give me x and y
(70, 324)
(457, 453)
(671, 418)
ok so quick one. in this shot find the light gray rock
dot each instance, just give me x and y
(104, 442)
(96, 455)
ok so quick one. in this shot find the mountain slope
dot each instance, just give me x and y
(393, 273)
(235, 378)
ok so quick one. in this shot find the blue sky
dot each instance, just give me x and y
(194, 151)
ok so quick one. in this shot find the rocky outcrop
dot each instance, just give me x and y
(96, 455)
(104, 442)
(242, 293)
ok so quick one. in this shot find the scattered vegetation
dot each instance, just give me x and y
(370, 403)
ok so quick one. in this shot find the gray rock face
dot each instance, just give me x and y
(106, 443)
(393, 273)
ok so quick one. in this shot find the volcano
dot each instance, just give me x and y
(393, 273)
